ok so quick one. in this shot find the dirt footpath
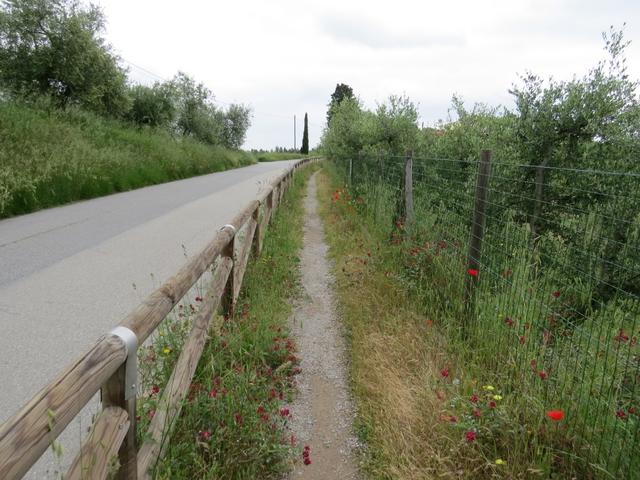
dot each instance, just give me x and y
(323, 412)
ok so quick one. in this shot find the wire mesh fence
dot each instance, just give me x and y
(549, 310)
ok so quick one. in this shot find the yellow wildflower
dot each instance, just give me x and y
(166, 350)
(488, 387)
(499, 461)
(497, 397)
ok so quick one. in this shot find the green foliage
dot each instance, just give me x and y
(305, 136)
(54, 47)
(152, 106)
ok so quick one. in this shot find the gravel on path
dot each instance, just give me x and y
(323, 412)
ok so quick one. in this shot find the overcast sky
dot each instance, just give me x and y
(284, 57)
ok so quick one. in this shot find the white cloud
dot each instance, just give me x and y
(285, 57)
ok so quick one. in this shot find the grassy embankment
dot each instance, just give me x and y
(234, 421)
(50, 157)
(425, 409)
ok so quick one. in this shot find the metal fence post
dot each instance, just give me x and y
(477, 230)
(350, 171)
(408, 191)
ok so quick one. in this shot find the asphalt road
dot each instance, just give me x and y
(71, 273)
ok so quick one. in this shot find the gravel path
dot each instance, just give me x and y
(323, 412)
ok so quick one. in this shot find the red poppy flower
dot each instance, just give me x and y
(508, 321)
(492, 404)
(260, 410)
(473, 272)
(542, 374)
(204, 435)
(284, 412)
(555, 415)
(444, 372)
(155, 389)
(522, 339)
(632, 410)
(474, 398)
(238, 418)
(621, 337)
(556, 294)
(264, 417)
(213, 393)
(470, 436)
(621, 415)
(198, 299)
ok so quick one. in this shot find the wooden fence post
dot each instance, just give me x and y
(477, 230)
(230, 287)
(350, 171)
(121, 391)
(408, 191)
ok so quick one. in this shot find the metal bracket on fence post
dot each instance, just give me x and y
(131, 363)
(477, 231)
(408, 191)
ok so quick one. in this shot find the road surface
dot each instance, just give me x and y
(67, 274)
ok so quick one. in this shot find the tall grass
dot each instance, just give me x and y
(50, 157)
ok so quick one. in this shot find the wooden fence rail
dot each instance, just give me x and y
(110, 364)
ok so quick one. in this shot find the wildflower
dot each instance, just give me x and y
(260, 410)
(444, 372)
(473, 272)
(476, 413)
(621, 337)
(621, 415)
(499, 461)
(213, 393)
(151, 414)
(166, 350)
(155, 389)
(306, 455)
(556, 294)
(284, 412)
(542, 374)
(470, 436)
(488, 387)
(632, 410)
(238, 418)
(508, 321)
(492, 404)
(555, 415)
(204, 435)
(497, 397)
(198, 299)
(264, 417)
(522, 339)
(474, 398)
(307, 461)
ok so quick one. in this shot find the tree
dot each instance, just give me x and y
(237, 120)
(54, 47)
(152, 106)
(305, 136)
(341, 92)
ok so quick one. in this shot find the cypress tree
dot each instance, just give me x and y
(305, 137)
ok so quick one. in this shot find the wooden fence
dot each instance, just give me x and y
(110, 365)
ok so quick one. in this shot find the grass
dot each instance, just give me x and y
(234, 422)
(50, 157)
